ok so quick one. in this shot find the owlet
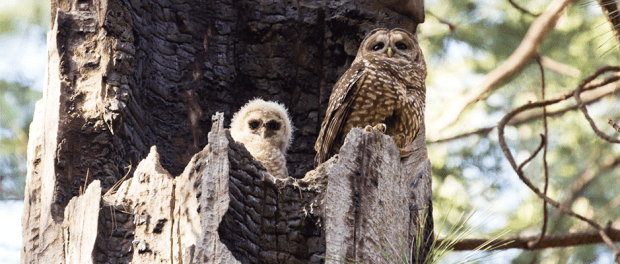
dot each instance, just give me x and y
(265, 129)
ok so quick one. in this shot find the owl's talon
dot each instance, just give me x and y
(381, 127)
(405, 153)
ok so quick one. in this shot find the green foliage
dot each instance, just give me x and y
(472, 172)
(17, 99)
(17, 14)
(17, 107)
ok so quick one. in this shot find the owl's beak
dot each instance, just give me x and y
(390, 52)
(266, 132)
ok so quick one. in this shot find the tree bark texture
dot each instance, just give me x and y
(126, 75)
(226, 208)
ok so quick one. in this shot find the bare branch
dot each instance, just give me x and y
(511, 160)
(606, 81)
(543, 142)
(583, 181)
(479, 131)
(598, 73)
(545, 167)
(559, 67)
(550, 241)
(443, 21)
(613, 124)
(527, 50)
(583, 108)
(517, 6)
(511, 114)
(607, 87)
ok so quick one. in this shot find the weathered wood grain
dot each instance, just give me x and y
(149, 197)
(357, 205)
(126, 75)
(371, 206)
(215, 198)
(80, 225)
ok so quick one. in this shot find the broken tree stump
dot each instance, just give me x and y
(124, 76)
(226, 208)
(375, 203)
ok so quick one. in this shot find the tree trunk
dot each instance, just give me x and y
(125, 75)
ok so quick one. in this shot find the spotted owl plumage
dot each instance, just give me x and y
(384, 85)
(265, 129)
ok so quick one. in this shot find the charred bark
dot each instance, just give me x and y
(125, 75)
(226, 208)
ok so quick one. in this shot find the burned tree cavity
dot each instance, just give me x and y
(126, 164)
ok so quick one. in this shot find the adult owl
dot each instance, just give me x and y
(384, 88)
(265, 129)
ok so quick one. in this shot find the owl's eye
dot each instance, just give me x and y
(273, 125)
(378, 46)
(254, 124)
(401, 46)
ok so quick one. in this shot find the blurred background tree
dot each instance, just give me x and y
(463, 41)
(23, 27)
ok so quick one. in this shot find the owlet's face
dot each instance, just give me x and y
(268, 126)
(396, 44)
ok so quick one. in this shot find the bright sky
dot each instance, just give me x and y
(8, 3)
(11, 230)
(23, 57)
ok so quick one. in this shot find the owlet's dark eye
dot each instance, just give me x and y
(401, 46)
(378, 46)
(273, 125)
(254, 124)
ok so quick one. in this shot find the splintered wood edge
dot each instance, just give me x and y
(345, 192)
(215, 196)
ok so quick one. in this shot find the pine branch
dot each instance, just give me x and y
(549, 241)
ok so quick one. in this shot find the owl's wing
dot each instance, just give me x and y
(344, 93)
